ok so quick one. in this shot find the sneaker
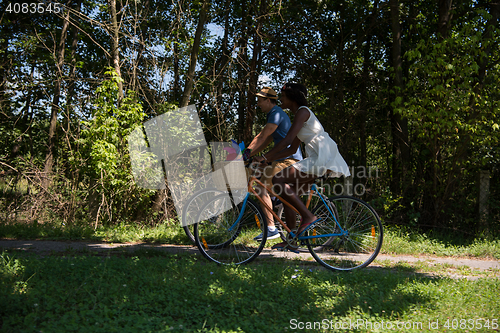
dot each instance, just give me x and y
(270, 235)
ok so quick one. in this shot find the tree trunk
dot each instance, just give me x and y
(242, 79)
(49, 160)
(72, 73)
(176, 84)
(140, 9)
(4, 61)
(399, 125)
(220, 73)
(337, 105)
(219, 81)
(71, 92)
(160, 200)
(242, 87)
(363, 110)
(365, 84)
(445, 16)
(254, 76)
(115, 46)
(194, 56)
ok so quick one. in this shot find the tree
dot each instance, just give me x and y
(399, 125)
(194, 55)
(105, 154)
(410, 88)
(115, 45)
(449, 108)
(52, 150)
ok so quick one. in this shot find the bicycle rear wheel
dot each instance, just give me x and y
(223, 240)
(360, 244)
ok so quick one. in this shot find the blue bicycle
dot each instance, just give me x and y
(347, 235)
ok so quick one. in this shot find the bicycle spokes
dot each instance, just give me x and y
(349, 238)
(228, 237)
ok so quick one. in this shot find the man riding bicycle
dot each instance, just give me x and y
(275, 130)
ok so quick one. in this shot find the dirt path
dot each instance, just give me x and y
(446, 265)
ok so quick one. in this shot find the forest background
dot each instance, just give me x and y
(410, 89)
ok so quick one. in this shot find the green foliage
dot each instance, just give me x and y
(341, 52)
(105, 152)
(452, 108)
(444, 98)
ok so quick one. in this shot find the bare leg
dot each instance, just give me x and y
(285, 183)
(290, 215)
(264, 195)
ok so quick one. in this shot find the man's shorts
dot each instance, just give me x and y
(271, 170)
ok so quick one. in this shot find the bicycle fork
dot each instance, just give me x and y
(242, 210)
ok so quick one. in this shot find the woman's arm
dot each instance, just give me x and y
(279, 150)
(287, 151)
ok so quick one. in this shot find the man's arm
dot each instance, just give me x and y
(263, 139)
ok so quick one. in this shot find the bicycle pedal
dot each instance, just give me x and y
(294, 249)
(286, 249)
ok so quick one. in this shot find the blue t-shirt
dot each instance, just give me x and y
(278, 117)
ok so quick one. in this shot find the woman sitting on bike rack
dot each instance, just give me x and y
(322, 156)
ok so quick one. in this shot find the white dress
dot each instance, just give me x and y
(321, 151)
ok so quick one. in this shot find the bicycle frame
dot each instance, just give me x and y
(313, 188)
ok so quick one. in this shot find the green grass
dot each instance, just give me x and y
(158, 292)
(432, 268)
(169, 232)
(401, 241)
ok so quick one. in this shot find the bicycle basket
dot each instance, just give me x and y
(230, 174)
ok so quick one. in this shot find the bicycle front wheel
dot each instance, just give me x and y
(224, 239)
(355, 245)
(193, 207)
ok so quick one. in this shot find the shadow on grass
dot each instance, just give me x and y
(154, 290)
